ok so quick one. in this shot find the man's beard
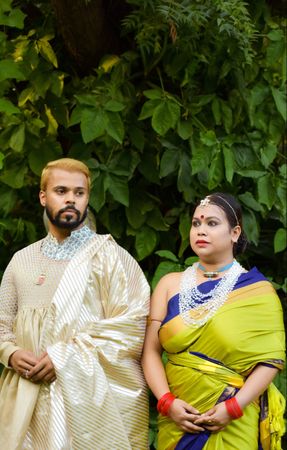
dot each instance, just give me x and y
(68, 222)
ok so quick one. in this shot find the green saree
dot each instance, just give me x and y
(209, 363)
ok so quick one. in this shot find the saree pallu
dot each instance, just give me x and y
(208, 364)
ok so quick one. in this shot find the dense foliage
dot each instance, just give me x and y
(195, 103)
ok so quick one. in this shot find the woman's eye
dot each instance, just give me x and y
(212, 223)
(195, 223)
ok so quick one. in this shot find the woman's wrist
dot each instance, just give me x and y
(165, 402)
(233, 408)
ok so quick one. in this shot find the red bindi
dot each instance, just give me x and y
(202, 217)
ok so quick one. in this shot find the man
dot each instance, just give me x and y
(73, 308)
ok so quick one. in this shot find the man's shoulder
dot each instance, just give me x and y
(111, 245)
(28, 250)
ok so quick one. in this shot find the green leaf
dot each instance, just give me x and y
(146, 240)
(7, 107)
(167, 255)
(10, 69)
(87, 99)
(27, 94)
(47, 51)
(98, 192)
(40, 156)
(165, 117)
(268, 154)
(148, 167)
(14, 177)
(250, 226)
(248, 199)
(266, 191)
(280, 240)
(93, 123)
(229, 163)
(137, 136)
(156, 221)
(280, 98)
(14, 19)
(200, 157)
(190, 260)
(115, 126)
(18, 138)
(114, 106)
(135, 217)
(8, 200)
(226, 116)
(2, 157)
(184, 129)
(164, 268)
(119, 189)
(153, 94)
(184, 176)
(148, 109)
(216, 172)
(216, 110)
(169, 162)
(208, 138)
(251, 173)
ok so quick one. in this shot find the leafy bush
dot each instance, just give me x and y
(194, 103)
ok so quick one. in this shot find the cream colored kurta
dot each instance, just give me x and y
(89, 315)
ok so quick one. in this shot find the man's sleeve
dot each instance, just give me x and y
(8, 311)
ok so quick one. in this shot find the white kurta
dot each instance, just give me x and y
(90, 316)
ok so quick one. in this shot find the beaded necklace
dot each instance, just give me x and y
(195, 307)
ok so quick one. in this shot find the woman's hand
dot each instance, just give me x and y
(215, 419)
(184, 415)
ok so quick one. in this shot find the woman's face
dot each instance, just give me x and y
(211, 236)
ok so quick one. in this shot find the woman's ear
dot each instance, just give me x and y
(235, 233)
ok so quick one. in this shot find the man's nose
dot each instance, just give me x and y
(70, 198)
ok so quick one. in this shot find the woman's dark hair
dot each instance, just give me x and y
(233, 212)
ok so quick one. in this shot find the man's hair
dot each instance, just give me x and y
(68, 164)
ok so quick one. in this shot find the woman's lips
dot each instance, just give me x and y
(202, 243)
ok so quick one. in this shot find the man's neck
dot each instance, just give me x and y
(61, 233)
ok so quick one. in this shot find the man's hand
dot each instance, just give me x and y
(43, 371)
(22, 361)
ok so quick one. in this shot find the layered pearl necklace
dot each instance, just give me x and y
(195, 307)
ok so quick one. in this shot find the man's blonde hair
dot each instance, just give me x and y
(68, 164)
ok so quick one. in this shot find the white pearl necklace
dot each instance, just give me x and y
(204, 306)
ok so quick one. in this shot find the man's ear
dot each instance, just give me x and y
(42, 197)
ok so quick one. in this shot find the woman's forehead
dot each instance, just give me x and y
(209, 211)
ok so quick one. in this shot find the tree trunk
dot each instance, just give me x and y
(90, 28)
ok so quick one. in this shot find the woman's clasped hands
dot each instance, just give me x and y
(190, 420)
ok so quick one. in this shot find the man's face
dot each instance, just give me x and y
(65, 198)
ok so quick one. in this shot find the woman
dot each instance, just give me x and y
(222, 329)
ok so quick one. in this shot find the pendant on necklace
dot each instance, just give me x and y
(210, 274)
(41, 279)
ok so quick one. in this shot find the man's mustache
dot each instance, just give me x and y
(68, 208)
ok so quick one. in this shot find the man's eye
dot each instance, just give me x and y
(80, 193)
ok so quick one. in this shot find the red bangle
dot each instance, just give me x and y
(233, 408)
(164, 403)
